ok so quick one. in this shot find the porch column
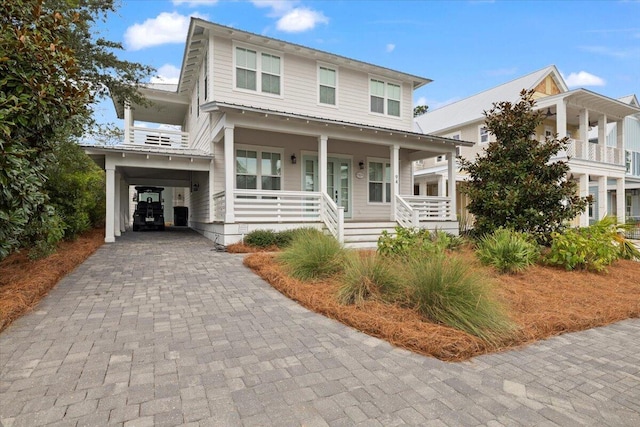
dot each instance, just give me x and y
(584, 125)
(451, 169)
(229, 178)
(128, 122)
(602, 196)
(124, 205)
(395, 178)
(602, 138)
(561, 118)
(212, 215)
(621, 201)
(322, 164)
(117, 200)
(584, 192)
(110, 177)
(442, 186)
(620, 142)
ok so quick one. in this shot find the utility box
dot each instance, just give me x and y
(180, 216)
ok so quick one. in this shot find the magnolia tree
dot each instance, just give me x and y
(515, 183)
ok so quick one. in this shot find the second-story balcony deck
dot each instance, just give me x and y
(585, 150)
(142, 136)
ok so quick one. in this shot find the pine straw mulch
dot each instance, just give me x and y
(543, 301)
(23, 282)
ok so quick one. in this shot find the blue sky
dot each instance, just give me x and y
(463, 46)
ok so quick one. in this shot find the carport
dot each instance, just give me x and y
(127, 165)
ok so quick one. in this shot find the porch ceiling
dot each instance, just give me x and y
(584, 99)
(166, 106)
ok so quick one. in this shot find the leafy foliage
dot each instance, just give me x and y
(267, 238)
(409, 240)
(367, 275)
(508, 251)
(419, 110)
(313, 255)
(447, 289)
(52, 69)
(514, 184)
(592, 248)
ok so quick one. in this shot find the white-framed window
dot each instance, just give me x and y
(483, 134)
(379, 181)
(628, 204)
(258, 168)
(327, 85)
(627, 160)
(206, 76)
(258, 71)
(385, 97)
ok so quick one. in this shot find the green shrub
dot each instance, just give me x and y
(409, 240)
(313, 255)
(43, 233)
(447, 289)
(367, 275)
(507, 250)
(591, 248)
(261, 238)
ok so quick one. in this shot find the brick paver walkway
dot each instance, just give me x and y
(159, 329)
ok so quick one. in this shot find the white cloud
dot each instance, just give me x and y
(301, 19)
(167, 74)
(163, 29)
(193, 3)
(390, 47)
(278, 7)
(583, 78)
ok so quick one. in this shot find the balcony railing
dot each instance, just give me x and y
(276, 206)
(585, 150)
(429, 208)
(157, 137)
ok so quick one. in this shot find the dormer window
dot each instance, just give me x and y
(258, 71)
(385, 97)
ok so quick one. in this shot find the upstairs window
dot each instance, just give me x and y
(627, 161)
(327, 79)
(385, 97)
(484, 134)
(258, 71)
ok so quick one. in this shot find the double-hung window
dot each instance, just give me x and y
(379, 182)
(385, 97)
(327, 82)
(627, 161)
(258, 170)
(258, 71)
(484, 134)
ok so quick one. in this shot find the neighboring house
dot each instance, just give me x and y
(597, 163)
(275, 135)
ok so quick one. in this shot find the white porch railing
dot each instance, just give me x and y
(333, 216)
(219, 206)
(585, 150)
(405, 215)
(157, 137)
(276, 206)
(428, 208)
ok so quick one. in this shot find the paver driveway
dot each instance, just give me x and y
(159, 328)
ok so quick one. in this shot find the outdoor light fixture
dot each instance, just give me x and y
(294, 159)
(361, 164)
(195, 186)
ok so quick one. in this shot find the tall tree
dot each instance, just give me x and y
(52, 69)
(514, 183)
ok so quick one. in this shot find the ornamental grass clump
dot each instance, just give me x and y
(312, 255)
(508, 251)
(447, 289)
(366, 276)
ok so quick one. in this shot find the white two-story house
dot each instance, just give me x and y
(596, 158)
(274, 135)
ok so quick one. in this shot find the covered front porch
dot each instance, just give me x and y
(282, 171)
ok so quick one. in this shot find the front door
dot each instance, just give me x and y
(338, 179)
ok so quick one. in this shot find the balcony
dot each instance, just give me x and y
(141, 136)
(584, 150)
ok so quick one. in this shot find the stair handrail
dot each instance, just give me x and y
(333, 216)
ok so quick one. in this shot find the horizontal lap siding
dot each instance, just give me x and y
(300, 91)
(199, 200)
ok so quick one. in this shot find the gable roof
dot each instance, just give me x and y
(196, 45)
(470, 109)
(630, 99)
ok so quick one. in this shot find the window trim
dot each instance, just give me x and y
(259, 51)
(386, 98)
(259, 149)
(384, 176)
(336, 70)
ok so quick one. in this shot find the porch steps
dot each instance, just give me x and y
(365, 234)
